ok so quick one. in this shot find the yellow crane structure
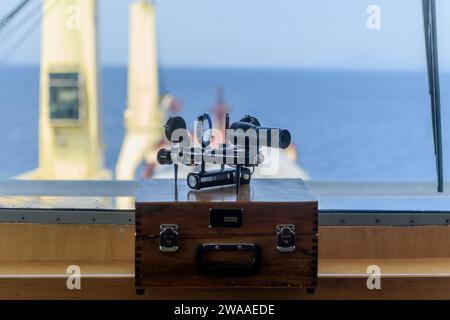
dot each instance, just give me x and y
(70, 136)
(144, 114)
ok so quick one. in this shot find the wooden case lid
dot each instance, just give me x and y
(259, 190)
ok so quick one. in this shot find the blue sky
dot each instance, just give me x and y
(326, 34)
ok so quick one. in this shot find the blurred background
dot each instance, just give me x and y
(355, 99)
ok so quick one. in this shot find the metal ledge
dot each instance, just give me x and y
(340, 203)
(128, 188)
(326, 217)
(67, 216)
(383, 218)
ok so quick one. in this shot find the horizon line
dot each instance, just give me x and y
(251, 68)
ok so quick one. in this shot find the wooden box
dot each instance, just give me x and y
(264, 237)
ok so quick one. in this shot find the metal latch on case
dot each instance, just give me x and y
(168, 238)
(286, 237)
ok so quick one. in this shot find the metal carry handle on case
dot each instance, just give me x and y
(228, 268)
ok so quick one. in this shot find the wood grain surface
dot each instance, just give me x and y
(385, 242)
(328, 288)
(258, 218)
(180, 269)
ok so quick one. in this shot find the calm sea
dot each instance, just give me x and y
(346, 125)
